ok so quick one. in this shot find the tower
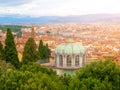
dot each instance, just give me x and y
(33, 31)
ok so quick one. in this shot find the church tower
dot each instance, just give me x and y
(33, 31)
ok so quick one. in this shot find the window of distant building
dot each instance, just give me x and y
(55, 59)
(61, 60)
(68, 61)
(77, 61)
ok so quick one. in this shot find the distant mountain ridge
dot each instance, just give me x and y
(91, 18)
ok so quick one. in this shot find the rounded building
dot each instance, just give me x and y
(70, 55)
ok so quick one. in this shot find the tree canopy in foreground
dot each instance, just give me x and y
(97, 76)
(32, 76)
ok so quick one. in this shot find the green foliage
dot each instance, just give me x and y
(32, 76)
(5, 66)
(14, 28)
(1, 51)
(47, 52)
(65, 79)
(10, 49)
(40, 49)
(97, 76)
(19, 34)
(36, 79)
(30, 54)
(44, 51)
(34, 68)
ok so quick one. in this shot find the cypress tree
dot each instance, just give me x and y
(1, 51)
(48, 52)
(30, 54)
(44, 51)
(41, 49)
(11, 54)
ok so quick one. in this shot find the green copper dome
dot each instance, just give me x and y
(70, 48)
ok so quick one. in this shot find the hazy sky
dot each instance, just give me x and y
(58, 7)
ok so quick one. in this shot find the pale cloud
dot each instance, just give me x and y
(13, 2)
(59, 7)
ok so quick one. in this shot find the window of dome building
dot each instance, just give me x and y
(68, 61)
(77, 61)
(60, 60)
(55, 59)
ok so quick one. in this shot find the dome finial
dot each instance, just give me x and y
(70, 40)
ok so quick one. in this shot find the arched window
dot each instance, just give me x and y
(77, 61)
(61, 60)
(55, 60)
(68, 61)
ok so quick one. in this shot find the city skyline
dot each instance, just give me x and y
(36, 8)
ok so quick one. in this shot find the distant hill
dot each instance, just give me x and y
(92, 18)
